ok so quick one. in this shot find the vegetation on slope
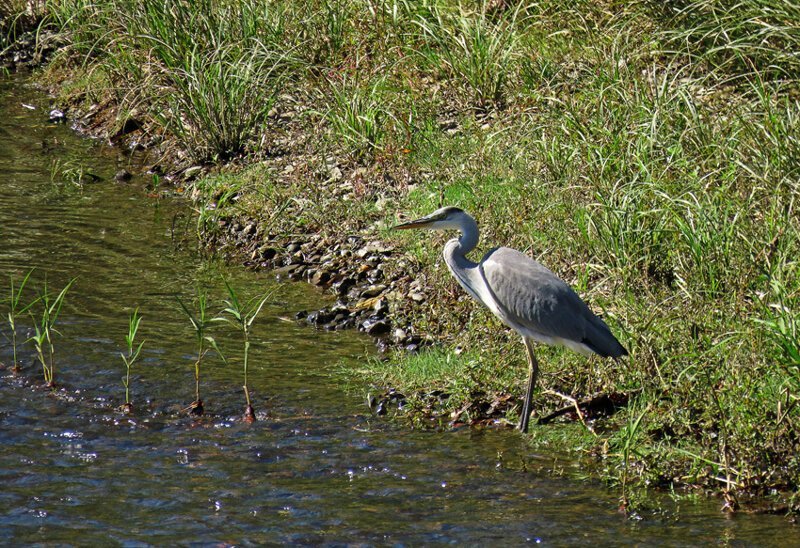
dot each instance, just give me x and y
(648, 153)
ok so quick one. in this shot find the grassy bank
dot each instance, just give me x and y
(647, 154)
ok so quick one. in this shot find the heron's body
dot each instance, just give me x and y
(523, 294)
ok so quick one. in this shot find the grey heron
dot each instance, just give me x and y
(523, 294)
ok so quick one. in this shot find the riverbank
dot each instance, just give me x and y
(647, 156)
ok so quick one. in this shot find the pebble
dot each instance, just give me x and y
(375, 325)
(123, 176)
(192, 172)
(57, 116)
(320, 277)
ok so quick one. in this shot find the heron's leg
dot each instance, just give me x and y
(534, 373)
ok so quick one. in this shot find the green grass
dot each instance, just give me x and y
(477, 50)
(358, 116)
(648, 153)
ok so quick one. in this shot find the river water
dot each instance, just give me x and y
(317, 468)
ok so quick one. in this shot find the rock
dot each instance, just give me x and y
(373, 291)
(346, 324)
(335, 174)
(267, 252)
(192, 172)
(375, 325)
(382, 345)
(123, 176)
(129, 126)
(320, 277)
(286, 271)
(57, 116)
(381, 307)
(373, 248)
(299, 272)
(319, 317)
(340, 317)
(343, 286)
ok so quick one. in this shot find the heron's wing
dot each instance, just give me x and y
(535, 301)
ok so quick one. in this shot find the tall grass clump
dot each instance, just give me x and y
(45, 330)
(762, 35)
(476, 49)
(90, 25)
(17, 16)
(781, 326)
(131, 356)
(15, 309)
(323, 30)
(222, 67)
(359, 116)
(220, 101)
(206, 72)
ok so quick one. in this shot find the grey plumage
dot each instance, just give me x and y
(525, 295)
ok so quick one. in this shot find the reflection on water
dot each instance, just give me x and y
(317, 468)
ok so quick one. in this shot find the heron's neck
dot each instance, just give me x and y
(455, 256)
(469, 235)
(455, 251)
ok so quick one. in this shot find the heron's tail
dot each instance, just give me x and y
(600, 339)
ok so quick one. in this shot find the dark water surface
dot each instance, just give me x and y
(316, 469)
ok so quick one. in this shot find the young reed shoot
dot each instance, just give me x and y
(45, 330)
(241, 316)
(132, 355)
(198, 317)
(15, 309)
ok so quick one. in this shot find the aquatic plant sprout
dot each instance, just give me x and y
(241, 316)
(200, 321)
(45, 328)
(132, 355)
(15, 309)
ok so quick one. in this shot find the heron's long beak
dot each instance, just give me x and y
(422, 222)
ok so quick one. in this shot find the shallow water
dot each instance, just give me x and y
(316, 468)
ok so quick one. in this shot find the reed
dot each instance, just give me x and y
(130, 358)
(241, 315)
(15, 310)
(199, 319)
(45, 330)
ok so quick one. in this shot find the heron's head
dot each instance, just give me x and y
(442, 219)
